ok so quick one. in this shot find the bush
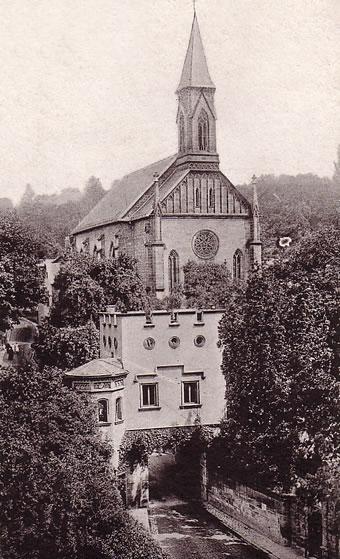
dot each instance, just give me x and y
(206, 285)
(58, 497)
(67, 348)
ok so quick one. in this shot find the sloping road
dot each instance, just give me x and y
(187, 531)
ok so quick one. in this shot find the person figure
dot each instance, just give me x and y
(10, 351)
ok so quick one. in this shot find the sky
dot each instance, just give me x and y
(87, 87)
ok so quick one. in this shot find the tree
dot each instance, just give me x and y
(281, 385)
(58, 496)
(7, 294)
(206, 285)
(255, 441)
(119, 279)
(93, 192)
(27, 197)
(19, 258)
(336, 175)
(316, 259)
(67, 348)
(53, 216)
(293, 206)
(86, 286)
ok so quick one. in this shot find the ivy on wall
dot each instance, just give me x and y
(136, 446)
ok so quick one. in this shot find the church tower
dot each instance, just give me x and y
(196, 116)
(182, 208)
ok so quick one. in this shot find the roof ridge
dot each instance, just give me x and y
(161, 186)
(122, 196)
(146, 167)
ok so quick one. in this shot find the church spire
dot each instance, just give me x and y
(255, 242)
(195, 71)
(196, 117)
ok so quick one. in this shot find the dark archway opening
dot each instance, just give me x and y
(314, 534)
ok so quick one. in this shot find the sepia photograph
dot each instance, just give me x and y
(170, 279)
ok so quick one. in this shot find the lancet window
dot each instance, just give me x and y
(203, 131)
(238, 265)
(211, 197)
(197, 198)
(181, 133)
(173, 270)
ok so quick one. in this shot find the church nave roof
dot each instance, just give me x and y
(122, 196)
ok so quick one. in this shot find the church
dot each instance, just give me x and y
(180, 208)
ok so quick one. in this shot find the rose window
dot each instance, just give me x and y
(205, 244)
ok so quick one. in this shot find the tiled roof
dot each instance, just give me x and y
(123, 194)
(106, 367)
(195, 71)
(164, 189)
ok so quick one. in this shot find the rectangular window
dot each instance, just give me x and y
(103, 411)
(191, 392)
(149, 395)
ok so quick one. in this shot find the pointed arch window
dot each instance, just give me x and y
(173, 270)
(114, 246)
(238, 265)
(211, 197)
(181, 133)
(203, 131)
(197, 198)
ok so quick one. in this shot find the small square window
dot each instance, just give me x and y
(190, 393)
(149, 395)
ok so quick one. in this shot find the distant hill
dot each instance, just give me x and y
(5, 204)
(53, 216)
(292, 205)
(65, 196)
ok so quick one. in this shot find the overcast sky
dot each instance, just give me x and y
(87, 86)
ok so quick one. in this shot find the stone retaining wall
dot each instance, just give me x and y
(267, 513)
(281, 518)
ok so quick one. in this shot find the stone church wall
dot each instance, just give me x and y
(233, 233)
(131, 241)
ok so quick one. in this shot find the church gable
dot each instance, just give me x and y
(205, 193)
(204, 104)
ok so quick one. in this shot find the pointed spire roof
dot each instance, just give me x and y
(255, 206)
(195, 71)
(255, 198)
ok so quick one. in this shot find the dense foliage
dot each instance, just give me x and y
(294, 205)
(206, 285)
(137, 446)
(53, 216)
(21, 282)
(279, 341)
(86, 286)
(58, 496)
(67, 348)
